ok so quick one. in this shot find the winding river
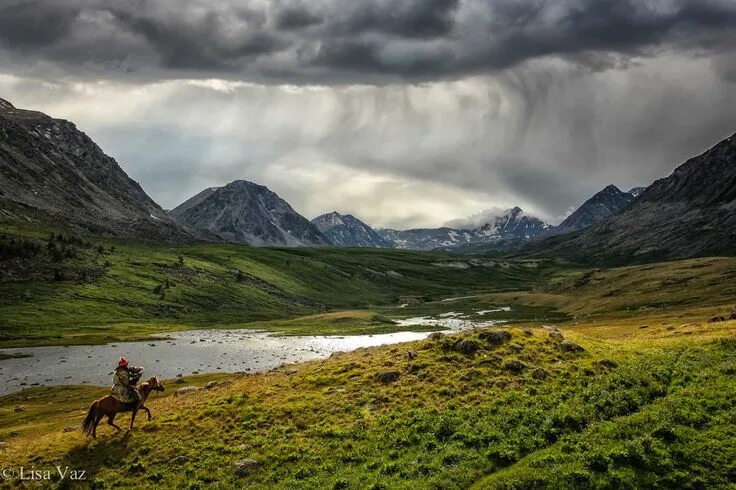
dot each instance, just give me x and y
(196, 351)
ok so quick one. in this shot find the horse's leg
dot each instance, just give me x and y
(97, 422)
(143, 407)
(132, 417)
(111, 421)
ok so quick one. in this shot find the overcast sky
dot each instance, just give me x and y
(403, 112)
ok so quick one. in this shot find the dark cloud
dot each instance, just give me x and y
(333, 41)
(532, 103)
(296, 16)
(33, 24)
(421, 19)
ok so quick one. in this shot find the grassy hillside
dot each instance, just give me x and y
(667, 293)
(62, 289)
(522, 413)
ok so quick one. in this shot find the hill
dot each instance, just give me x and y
(61, 289)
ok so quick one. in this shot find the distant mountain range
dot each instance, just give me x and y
(52, 173)
(345, 230)
(244, 212)
(512, 225)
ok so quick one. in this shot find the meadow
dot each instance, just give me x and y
(610, 378)
(58, 289)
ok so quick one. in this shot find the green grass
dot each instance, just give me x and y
(621, 414)
(138, 289)
(647, 404)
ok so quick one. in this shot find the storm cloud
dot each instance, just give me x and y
(410, 113)
(332, 41)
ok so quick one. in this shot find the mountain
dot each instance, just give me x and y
(345, 230)
(244, 212)
(605, 203)
(636, 191)
(513, 226)
(691, 213)
(53, 173)
(194, 200)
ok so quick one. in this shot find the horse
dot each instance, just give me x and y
(107, 406)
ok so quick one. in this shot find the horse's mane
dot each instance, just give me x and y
(150, 380)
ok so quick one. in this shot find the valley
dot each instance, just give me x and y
(495, 351)
(598, 377)
(115, 291)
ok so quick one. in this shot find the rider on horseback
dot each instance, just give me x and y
(124, 380)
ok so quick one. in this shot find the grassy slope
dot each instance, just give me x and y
(116, 295)
(663, 415)
(658, 412)
(669, 293)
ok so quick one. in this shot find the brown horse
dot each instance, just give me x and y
(107, 406)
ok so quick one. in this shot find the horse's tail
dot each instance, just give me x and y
(90, 421)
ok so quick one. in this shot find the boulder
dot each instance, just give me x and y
(466, 346)
(388, 376)
(733, 314)
(555, 335)
(567, 346)
(436, 336)
(539, 373)
(495, 337)
(514, 366)
(187, 390)
(411, 355)
(211, 384)
(246, 466)
(71, 428)
(716, 319)
(516, 347)
(19, 409)
(179, 381)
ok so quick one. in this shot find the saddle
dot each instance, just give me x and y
(129, 406)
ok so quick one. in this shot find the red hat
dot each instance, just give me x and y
(123, 362)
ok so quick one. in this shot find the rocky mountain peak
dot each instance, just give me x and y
(49, 166)
(687, 214)
(250, 213)
(607, 202)
(345, 230)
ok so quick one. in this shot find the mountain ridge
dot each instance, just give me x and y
(53, 172)
(248, 213)
(512, 226)
(604, 203)
(690, 213)
(345, 230)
